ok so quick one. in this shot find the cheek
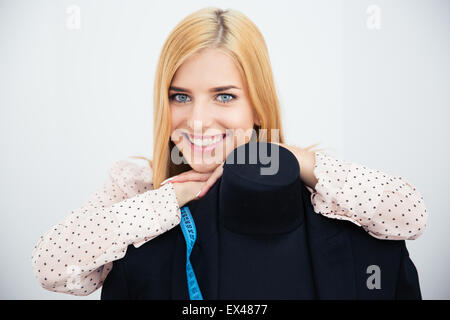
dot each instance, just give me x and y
(241, 121)
(176, 118)
(238, 117)
(176, 122)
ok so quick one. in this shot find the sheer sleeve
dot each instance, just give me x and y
(76, 255)
(387, 207)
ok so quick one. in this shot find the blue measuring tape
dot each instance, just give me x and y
(190, 235)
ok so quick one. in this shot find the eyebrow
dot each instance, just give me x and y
(216, 89)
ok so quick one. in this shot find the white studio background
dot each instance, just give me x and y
(368, 79)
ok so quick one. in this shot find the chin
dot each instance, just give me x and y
(203, 168)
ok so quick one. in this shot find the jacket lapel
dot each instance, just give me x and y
(205, 253)
(179, 278)
(331, 255)
(329, 246)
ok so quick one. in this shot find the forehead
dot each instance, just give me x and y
(207, 68)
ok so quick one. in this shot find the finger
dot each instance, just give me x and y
(177, 177)
(168, 179)
(210, 182)
(194, 176)
(183, 174)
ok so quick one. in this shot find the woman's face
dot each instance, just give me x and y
(210, 107)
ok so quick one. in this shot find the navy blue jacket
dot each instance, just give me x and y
(293, 254)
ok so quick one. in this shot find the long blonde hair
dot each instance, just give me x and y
(236, 35)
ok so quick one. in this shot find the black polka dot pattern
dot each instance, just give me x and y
(76, 255)
(387, 207)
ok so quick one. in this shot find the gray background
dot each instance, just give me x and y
(75, 99)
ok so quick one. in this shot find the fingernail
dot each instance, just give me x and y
(167, 180)
(198, 194)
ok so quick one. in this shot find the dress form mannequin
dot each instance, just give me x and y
(258, 237)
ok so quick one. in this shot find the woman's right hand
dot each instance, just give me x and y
(191, 184)
(187, 191)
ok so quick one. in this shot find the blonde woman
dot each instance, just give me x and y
(213, 88)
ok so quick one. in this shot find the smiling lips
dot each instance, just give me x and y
(208, 143)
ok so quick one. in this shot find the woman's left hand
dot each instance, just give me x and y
(306, 160)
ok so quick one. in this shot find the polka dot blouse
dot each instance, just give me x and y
(76, 255)
(387, 207)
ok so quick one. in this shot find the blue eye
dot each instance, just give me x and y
(183, 98)
(229, 95)
(173, 97)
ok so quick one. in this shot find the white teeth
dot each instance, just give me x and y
(207, 141)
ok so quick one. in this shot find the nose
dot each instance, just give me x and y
(200, 117)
